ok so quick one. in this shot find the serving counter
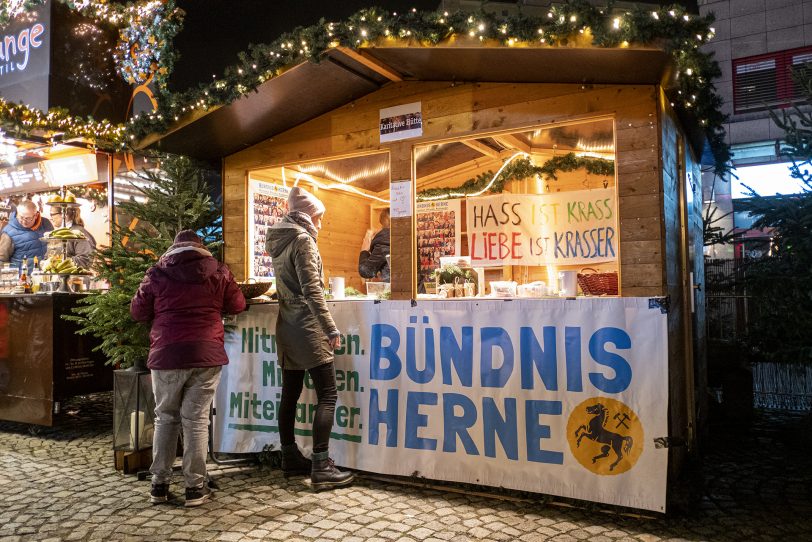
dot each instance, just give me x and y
(42, 359)
(558, 396)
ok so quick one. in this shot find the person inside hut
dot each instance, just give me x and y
(373, 262)
(20, 239)
(81, 250)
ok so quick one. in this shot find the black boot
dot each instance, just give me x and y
(325, 475)
(293, 462)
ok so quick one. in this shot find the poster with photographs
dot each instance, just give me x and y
(438, 234)
(267, 204)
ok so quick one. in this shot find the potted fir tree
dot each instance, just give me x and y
(175, 198)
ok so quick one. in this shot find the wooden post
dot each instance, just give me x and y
(403, 263)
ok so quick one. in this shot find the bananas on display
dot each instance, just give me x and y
(65, 233)
(58, 266)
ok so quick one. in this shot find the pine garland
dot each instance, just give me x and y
(21, 120)
(578, 22)
(522, 169)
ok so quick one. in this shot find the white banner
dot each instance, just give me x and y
(563, 397)
(267, 204)
(561, 228)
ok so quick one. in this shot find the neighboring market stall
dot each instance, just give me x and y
(545, 323)
(56, 63)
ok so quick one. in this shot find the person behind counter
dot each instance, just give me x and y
(182, 297)
(21, 237)
(81, 250)
(306, 337)
(374, 250)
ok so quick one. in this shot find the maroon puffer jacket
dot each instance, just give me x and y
(184, 296)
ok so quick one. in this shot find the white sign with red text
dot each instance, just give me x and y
(562, 228)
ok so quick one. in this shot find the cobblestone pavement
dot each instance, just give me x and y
(59, 484)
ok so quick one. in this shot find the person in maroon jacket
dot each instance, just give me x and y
(184, 296)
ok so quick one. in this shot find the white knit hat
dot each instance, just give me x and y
(302, 200)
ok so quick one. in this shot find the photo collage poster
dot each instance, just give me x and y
(438, 234)
(267, 204)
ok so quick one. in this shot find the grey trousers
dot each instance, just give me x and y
(182, 398)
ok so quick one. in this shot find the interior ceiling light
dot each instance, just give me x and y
(323, 171)
(587, 145)
(339, 186)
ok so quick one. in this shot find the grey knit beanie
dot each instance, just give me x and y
(302, 200)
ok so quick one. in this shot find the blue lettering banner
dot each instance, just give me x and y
(563, 397)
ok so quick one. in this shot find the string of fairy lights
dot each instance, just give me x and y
(576, 23)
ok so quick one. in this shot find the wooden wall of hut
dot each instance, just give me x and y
(684, 267)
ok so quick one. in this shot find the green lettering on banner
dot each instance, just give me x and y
(271, 373)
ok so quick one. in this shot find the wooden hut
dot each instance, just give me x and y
(327, 126)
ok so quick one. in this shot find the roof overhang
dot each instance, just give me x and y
(309, 90)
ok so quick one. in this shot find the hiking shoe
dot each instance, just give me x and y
(325, 475)
(159, 493)
(195, 496)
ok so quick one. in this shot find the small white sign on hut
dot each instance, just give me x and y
(401, 122)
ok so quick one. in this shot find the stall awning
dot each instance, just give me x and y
(311, 89)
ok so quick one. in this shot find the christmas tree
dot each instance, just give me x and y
(780, 285)
(175, 198)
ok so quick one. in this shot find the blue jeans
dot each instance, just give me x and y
(182, 399)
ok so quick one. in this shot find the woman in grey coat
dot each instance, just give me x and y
(305, 335)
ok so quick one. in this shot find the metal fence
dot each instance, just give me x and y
(728, 309)
(726, 305)
(782, 386)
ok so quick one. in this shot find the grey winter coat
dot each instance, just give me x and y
(304, 324)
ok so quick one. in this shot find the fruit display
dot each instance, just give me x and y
(65, 234)
(56, 199)
(57, 266)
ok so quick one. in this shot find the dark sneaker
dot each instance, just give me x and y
(195, 496)
(159, 493)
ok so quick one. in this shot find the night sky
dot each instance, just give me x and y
(216, 30)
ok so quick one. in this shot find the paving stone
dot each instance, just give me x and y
(58, 484)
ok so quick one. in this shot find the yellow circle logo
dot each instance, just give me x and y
(605, 436)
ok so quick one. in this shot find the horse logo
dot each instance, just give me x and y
(605, 435)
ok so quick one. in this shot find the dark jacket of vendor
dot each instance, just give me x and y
(20, 240)
(184, 296)
(304, 322)
(373, 262)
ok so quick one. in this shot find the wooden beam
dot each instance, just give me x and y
(512, 140)
(480, 147)
(372, 63)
